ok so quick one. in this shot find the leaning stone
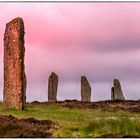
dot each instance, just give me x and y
(116, 91)
(85, 89)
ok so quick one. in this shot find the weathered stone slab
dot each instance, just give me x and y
(14, 93)
(52, 87)
(116, 91)
(85, 89)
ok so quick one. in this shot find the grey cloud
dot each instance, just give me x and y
(116, 45)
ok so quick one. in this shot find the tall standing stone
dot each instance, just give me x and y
(85, 89)
(116, 91)
(52, 87)
(14, 92)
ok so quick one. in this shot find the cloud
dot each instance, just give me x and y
(99, 40)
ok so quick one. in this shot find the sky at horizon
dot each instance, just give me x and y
(98, 40)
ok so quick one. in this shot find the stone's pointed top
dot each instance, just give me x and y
(16, 20)
(116, 81)
(53, 73)
(83, 77)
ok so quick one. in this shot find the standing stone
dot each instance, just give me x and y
(52, 87)
(112, 93)
(116, 91)
(14, 92)
(85, 89)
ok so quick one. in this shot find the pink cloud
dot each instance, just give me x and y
(99, 40)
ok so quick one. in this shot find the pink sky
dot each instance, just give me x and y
(98, 40)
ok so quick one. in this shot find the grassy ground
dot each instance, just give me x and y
(82, 122)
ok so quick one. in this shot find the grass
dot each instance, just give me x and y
(82, 122)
